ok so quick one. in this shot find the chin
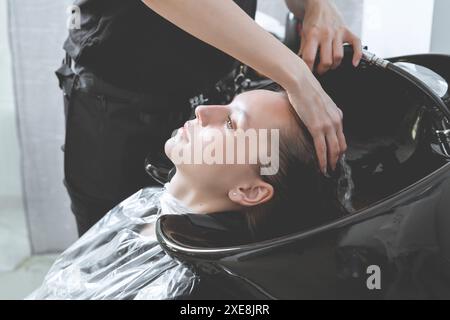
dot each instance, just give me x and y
(172, 148)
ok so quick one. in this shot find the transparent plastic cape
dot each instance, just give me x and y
(120, 257)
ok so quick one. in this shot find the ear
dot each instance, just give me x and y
(252, 195)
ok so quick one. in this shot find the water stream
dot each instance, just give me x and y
(345, 186)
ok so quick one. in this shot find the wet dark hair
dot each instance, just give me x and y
(303, 196)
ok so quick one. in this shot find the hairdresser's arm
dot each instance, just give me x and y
(323, 29)
(222, 24)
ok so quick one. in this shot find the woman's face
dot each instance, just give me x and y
(209, 150)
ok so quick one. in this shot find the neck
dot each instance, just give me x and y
(197, 199)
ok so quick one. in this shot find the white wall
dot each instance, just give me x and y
(9, 150)
(440, 41)
(397, 27)
(38, 30)
(14, 242)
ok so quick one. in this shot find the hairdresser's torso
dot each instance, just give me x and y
(134, 75)
(130, 46)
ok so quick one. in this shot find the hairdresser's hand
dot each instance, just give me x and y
(324, 30)
(322, 118)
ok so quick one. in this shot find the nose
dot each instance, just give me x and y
(210, 115)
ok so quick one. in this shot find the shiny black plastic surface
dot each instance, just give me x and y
(401, 223)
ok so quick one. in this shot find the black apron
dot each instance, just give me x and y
(135, 75)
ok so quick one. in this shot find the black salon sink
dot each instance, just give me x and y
(399, 225)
